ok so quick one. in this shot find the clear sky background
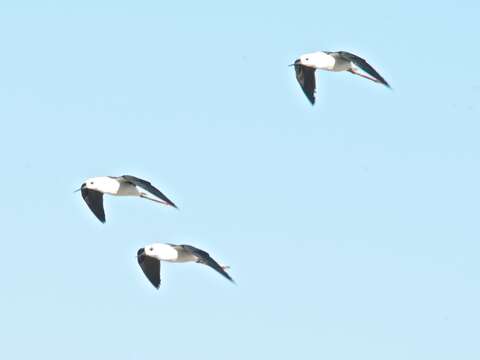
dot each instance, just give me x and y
(352, 227)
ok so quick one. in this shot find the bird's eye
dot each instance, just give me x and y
(306, 59)
(151, 249)
(91, 182)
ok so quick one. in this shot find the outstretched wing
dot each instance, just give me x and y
(147, 186)
(150, 267)
(204, 258)
(306, 78)
(94, 200)
(362, 64)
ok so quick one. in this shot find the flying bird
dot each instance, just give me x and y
(306, 65)
(126, 185)
(149, 258)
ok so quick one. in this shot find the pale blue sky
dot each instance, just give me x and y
(352, 227)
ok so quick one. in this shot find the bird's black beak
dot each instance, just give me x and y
(81, 187)
(296, 62)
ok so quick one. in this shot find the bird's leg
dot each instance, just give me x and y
(224, 267)
(355, 72)
(143, 195)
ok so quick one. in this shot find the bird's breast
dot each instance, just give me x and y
(324, 61)
(167, 252)
(107, 185)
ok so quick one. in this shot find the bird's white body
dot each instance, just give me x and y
(150, 257)
(307, 64)
(112, 186)
(94, 188)
(167, 252)
(323, 61)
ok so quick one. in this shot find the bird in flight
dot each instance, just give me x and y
(306, 65)
(149, 258)
(126, 185)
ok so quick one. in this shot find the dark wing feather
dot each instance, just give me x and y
(204, 258)
(150, 267)
(306, 79)
(94, 200)
(362, 64)
(149, 187)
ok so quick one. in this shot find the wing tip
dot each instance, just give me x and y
(227, 276)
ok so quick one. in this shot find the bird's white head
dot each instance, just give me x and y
(161, 251)
(151, 250)
(308, 60)
(92, 184)
(317, 60)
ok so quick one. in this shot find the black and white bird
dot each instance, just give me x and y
(94, 188)
(306, 65)
(149, 258)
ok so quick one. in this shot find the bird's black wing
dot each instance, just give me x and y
(149, 187)
(362, 64)
(94, 200)
(306, 79)
(204, 258)
(150, 267)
